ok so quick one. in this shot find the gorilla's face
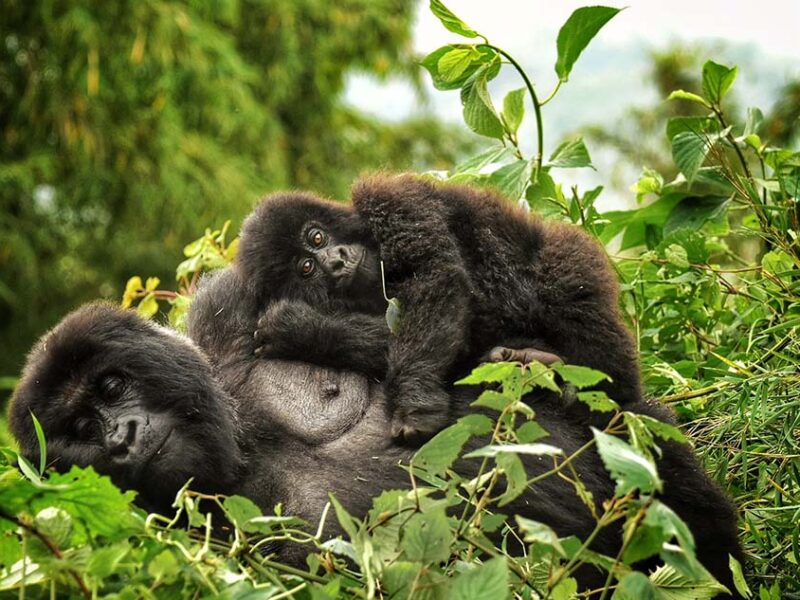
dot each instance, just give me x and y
(131, 399)
(299, 247)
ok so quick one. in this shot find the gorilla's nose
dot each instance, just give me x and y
(125, 435)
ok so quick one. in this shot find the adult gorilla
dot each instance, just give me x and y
(140, 404)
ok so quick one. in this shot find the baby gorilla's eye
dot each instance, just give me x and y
(306, 267)
(111, 386)
(316, 237)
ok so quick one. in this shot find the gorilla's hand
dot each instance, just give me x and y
(413, 427)
(521, 355)
(286, 330)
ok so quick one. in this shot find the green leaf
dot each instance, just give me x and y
(490, 373)
(597, 401)
(348, 523)
(531, 449)
(676, 255)
(426, 538)
(450, 21)
(164, 567)
(539, 533)
(453, 64)
(581, 377)
(437, 455)
(738, 577)
(28, 469)
(479, 112)
(663, 430)
(447, 80)
(514, 109)
(672, 585)
(627, 466)
(571, 154)
(42, 443)
(489, 581)
(476, 163)
(636, 586)
(55, 524)
(695, 211)
(689, 151)
(717, 80)
(104, 560)
(393, 315)
(512, 178)
(683, 95)
(753, 122)
(148, 306)
(581, 26)
(530, 432)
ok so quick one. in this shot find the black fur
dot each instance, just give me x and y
(343, 443)
(471, 271)
(294, 432)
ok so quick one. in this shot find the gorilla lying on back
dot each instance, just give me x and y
(470, 269)
(139, 403)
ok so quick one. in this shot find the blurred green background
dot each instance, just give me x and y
(127, 128)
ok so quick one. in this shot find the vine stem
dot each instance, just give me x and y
(537, 107)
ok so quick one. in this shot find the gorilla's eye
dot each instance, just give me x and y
(111, 386)
(86, 429)
(316, 237)
(306, 267)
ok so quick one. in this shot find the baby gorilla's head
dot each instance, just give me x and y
(299, 247)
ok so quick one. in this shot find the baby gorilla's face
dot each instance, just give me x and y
(348, 271)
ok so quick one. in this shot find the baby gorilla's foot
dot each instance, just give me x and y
(521, 355)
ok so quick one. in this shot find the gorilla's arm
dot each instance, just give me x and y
(295, 330)
(425, 271)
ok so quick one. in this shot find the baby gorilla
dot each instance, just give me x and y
(471, 271)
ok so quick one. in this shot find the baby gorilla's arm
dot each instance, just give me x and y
(295, 330)
(425, 271)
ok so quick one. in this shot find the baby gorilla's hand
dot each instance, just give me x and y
(285, 329)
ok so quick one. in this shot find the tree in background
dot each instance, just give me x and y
(126, 128)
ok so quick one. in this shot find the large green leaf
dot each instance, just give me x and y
(450, 21)
(695, 211)
(479, 112)
(628, 467)
(511, 179)
(577, 32)
(444, 65)
(689, 151)
(717, 80)
(514, 109)
(443, 449)
(571, 154)
(486, 582)
(426, 537)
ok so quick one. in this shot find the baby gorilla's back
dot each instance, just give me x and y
(472, 271)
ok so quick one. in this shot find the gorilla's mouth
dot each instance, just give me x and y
(157, 452)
